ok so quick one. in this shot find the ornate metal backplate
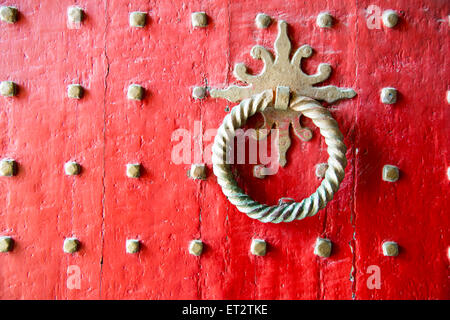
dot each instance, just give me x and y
(284, 76)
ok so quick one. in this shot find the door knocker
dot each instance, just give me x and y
(281, 91)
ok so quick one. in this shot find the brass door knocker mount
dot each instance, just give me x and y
(282, 93)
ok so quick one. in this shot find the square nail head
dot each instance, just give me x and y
(391, 173)
(135, 92)
(196, 247)
(75, 14)
(8, 14)
(7, 167)
(133, 170)
(75, 91)
(258, 247)
(6, 244)
(132, 245)
(138, 19)
(8, 88)
(390, 249)
(199, 19)
(388, 95)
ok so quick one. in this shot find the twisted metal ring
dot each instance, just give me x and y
(284, 212)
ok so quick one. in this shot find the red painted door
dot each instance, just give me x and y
(41, 128)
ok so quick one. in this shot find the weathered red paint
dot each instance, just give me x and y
(41, 128)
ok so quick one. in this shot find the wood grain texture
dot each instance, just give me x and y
(42, 129)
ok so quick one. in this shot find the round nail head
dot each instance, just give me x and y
(199, 92)
(323, 248)
(71, 245)
(390, 18)
(324, 20)
(135, 92)
(262, 21)
(71, 168)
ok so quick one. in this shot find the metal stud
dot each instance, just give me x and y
(199, 92)
(448, 173)
(71, 245)
(323, 247)
(75, 15)
(133, 170)
(133, 245)
(72, 168)
(6, 244)
(390, 249)
(196, 247)
(324, 20)
(135, 92)
(262, 20)
(199, 19)
(390, 18)
(321, 168)
(388, 95)
(198, 171)
(137, 19)
(8, 14)
(258, 247)
(390, 173)
(7, 167)
(448, 96)
(75, 91)
(8, 88)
